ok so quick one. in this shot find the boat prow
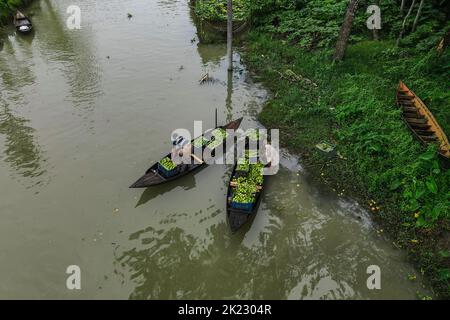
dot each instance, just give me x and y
(149, 179)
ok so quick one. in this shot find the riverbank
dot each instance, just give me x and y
(352, 106)
(7, 9)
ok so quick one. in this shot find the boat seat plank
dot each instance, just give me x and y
(416, 120)
(420, 126)
(405, 99)
(429, 138)
(409, 109)
(425, 132)
(413, 115)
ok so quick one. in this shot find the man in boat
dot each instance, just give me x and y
(271, 159)
(181, 152)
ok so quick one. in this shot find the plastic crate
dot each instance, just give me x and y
(242, 206)
(167, 173)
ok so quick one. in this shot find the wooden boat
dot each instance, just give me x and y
(237, 217)
(421, 121)
(22, 22)
(153, 177)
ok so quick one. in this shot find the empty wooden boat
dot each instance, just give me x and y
(22, 23)
(158, 174)
(421, 121)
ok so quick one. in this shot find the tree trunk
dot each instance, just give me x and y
(346, 28)
(402, 6)
(404, 22)
(376, 34)
(416, 20)
(230, 34)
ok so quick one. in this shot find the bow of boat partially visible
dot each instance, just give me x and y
(22, 23)
(421, 121)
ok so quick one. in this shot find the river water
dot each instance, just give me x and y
(84, 112)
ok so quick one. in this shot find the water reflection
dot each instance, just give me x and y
(26, 38)
(72, 49)
(272, 269)
(187, 183)
(20, 150)
(211, 54)
(303, 244)
(229, 101)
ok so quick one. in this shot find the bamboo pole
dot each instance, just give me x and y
(230, 34)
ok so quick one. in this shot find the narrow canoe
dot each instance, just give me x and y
(152, 177)
(236, 217)
(421, 121)
(22, 22)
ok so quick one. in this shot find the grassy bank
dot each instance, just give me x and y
(352, 105)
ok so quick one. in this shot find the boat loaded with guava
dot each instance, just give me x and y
(244, 192)
(165, 170)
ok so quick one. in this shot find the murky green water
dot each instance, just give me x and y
(83, 113)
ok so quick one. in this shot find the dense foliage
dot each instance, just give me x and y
(216, 10)
(8, 7)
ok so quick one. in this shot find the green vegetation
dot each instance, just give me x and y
(200, 142)
(246, 187)
(216, 10)
(253, 134)
(168, 164)
(352, 105)
(243, 166)
(219, 135)
(244, 192)
(8, 7)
